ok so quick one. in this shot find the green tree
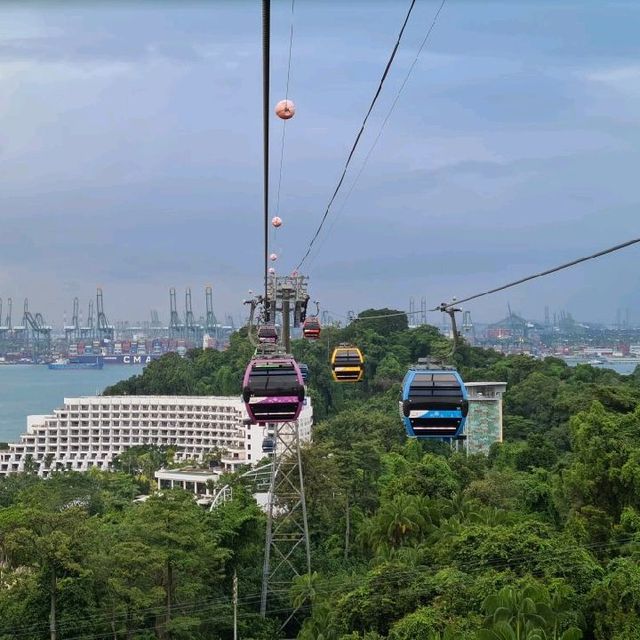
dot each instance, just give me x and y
(401, 519)
(526, 614)
(52, 543)
(615, 601)
(174, 527)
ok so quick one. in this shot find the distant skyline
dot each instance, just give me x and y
(130, 154)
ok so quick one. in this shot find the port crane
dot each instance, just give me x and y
(7, 322)
(72, 331)
(104, 329)
(87, 332)
(36, 334)
(192, 330)
(176, 328)
(210, 323)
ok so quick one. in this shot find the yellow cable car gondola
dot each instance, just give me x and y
(347, 364)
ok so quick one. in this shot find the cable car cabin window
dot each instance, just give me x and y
(345, 359)
(435, 427)
(436, 379)
(271, 378)
(425, 385)
(271, 412)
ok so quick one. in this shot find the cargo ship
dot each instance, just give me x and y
(62, 364)
(120, 352)
(130, 358)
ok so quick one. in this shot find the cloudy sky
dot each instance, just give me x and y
(130, 153)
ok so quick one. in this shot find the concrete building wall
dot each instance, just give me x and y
(91, 431)
(484, 422)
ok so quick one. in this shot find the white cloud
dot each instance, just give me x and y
(625, 79)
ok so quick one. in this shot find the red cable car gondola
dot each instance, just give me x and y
(311, 328)
(267, 334)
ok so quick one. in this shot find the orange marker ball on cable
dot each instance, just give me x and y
(285, 109)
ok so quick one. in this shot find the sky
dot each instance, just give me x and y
(131, 142)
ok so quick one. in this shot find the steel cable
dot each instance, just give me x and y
(445, 306)
(359, 135)
(383, 125)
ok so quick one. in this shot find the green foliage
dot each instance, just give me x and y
(531, 613)
(426, 622)
(78, 554)
(615, 601)
(142, 461)
(539, 540)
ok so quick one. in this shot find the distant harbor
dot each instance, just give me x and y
(29, 339)
(622, 365)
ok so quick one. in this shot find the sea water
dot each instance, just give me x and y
(35, 389)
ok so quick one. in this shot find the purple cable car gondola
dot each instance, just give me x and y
(273, 389)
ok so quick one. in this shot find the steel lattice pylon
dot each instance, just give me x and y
(287, 553)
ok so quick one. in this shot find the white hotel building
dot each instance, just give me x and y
(91, 431)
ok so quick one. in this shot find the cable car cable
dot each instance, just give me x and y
(384, 123)
(444, 306)
(266, 34)
(286, 97)
(359, 135)
(566, 265)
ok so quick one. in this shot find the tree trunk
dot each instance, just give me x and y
(347, 531)
(52, 613)
(169, 596)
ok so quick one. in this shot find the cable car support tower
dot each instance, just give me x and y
(287, 551)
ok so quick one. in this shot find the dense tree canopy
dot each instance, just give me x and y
(536, 541)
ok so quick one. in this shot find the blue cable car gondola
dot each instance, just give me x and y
(268, 445)
(304, 370)
(434, 403)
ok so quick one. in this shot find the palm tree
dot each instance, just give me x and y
(491, 516)
(320, 625)
(368, 535)
(447, 530)
(304, 588)
(518, 609)
(429, 509)
(460, 505)
(400, 519)
(504, 631)
(530, 614)
(448, 634)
